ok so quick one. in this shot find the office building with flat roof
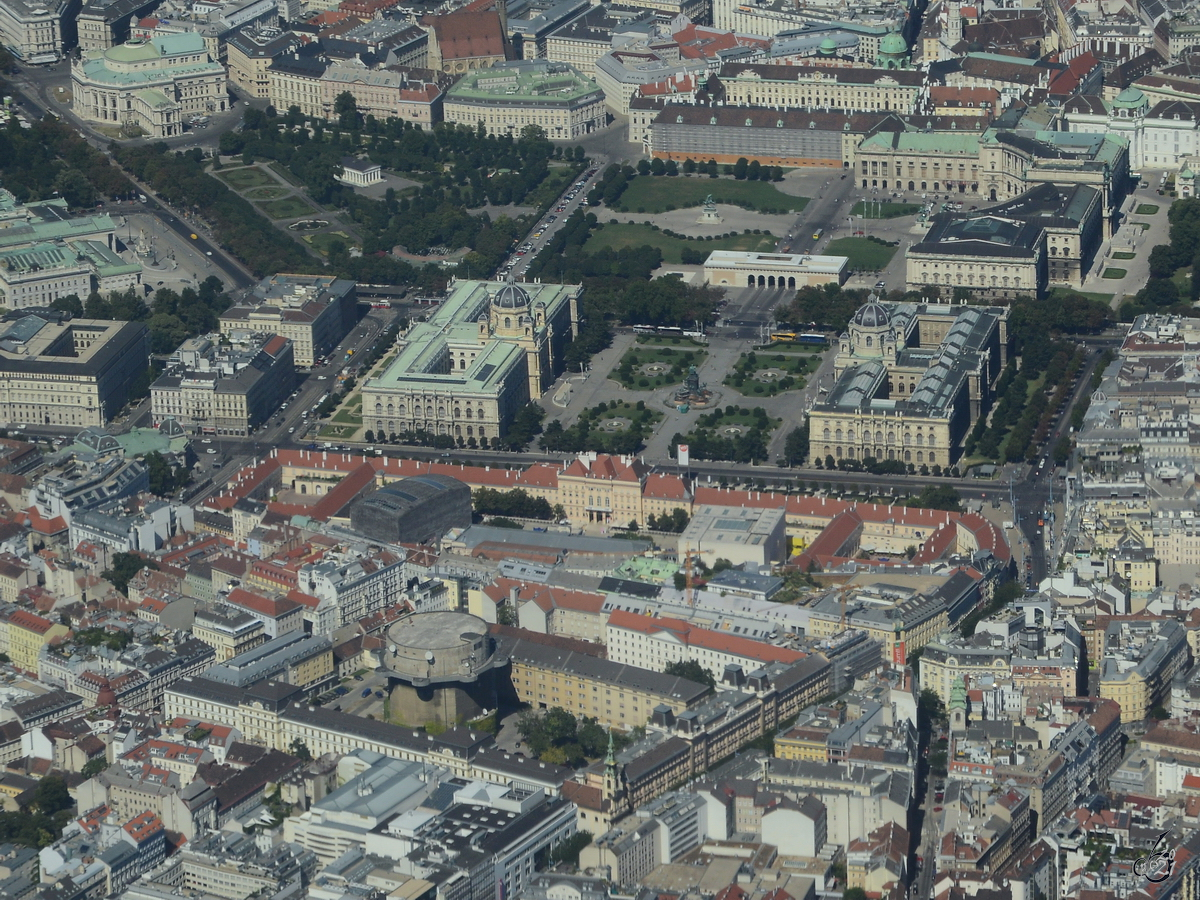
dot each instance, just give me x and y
(59, 371)
(509, 96)
(105, 23)
(314, 312)
(615, 694)
(740, 268)
(37, 32)
(215, 387)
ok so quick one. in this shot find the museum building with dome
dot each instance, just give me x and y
(490, 348)
(910, 380)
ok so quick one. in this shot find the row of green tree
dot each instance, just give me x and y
(617, 287)
(585, 435)
(706, 441)
(558, 737)
(180, 179)
(52, 159)
(1161, 293)
(173, 317)
(516, 503)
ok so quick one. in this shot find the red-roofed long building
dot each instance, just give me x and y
(654, 642)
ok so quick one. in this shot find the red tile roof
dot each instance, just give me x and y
(143, 826)
(690, 635)
(275, 607)
(27, 620)
(275, 344)
(661, 486)
(467, 34)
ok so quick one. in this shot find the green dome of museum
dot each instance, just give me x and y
(829, 45)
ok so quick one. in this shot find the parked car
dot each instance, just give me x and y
(366, 692)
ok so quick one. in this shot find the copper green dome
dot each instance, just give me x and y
(1130, 98)
(829, 45)
(893, 44)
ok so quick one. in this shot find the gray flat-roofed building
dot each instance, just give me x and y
(69, 372)
(216, 386)
(105, 23)
(738, 534)
(287, 658)
(314, 312)
(414, 510)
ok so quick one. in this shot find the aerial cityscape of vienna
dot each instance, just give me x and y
(599, 450)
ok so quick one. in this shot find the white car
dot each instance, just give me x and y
(322, 378)
(292, 430)
(206, 441)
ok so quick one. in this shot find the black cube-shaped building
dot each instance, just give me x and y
(414, 510)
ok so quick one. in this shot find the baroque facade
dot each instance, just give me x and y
(910, 380)
(488, 350)
(154, 85)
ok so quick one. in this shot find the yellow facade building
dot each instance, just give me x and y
(616, 695)
(27, 634)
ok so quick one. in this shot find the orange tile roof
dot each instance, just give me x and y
(661, 486)
(22, 618)
(545, 596)
(42, 525)
(607, 467)
(468, 34)
(143, 826)
(267, 606)
(690, 635)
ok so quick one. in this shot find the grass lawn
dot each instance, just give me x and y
(884, 210)
(241, 179)
(1145, 209)
(350, 413)
(1106, 299)
(267, 193)
(324, 241)
(1124, 255)
(1183, 280)
(863, 254)
(628, 411)
(342, 432)
(745, 378)
(630, 373)
(286, 208)
(1114, 273)
(631, 235)
(655, 194)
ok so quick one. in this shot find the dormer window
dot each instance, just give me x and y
(679, 120)
(779, 123)
(812, 125)
(712, 121)
(749, 122)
